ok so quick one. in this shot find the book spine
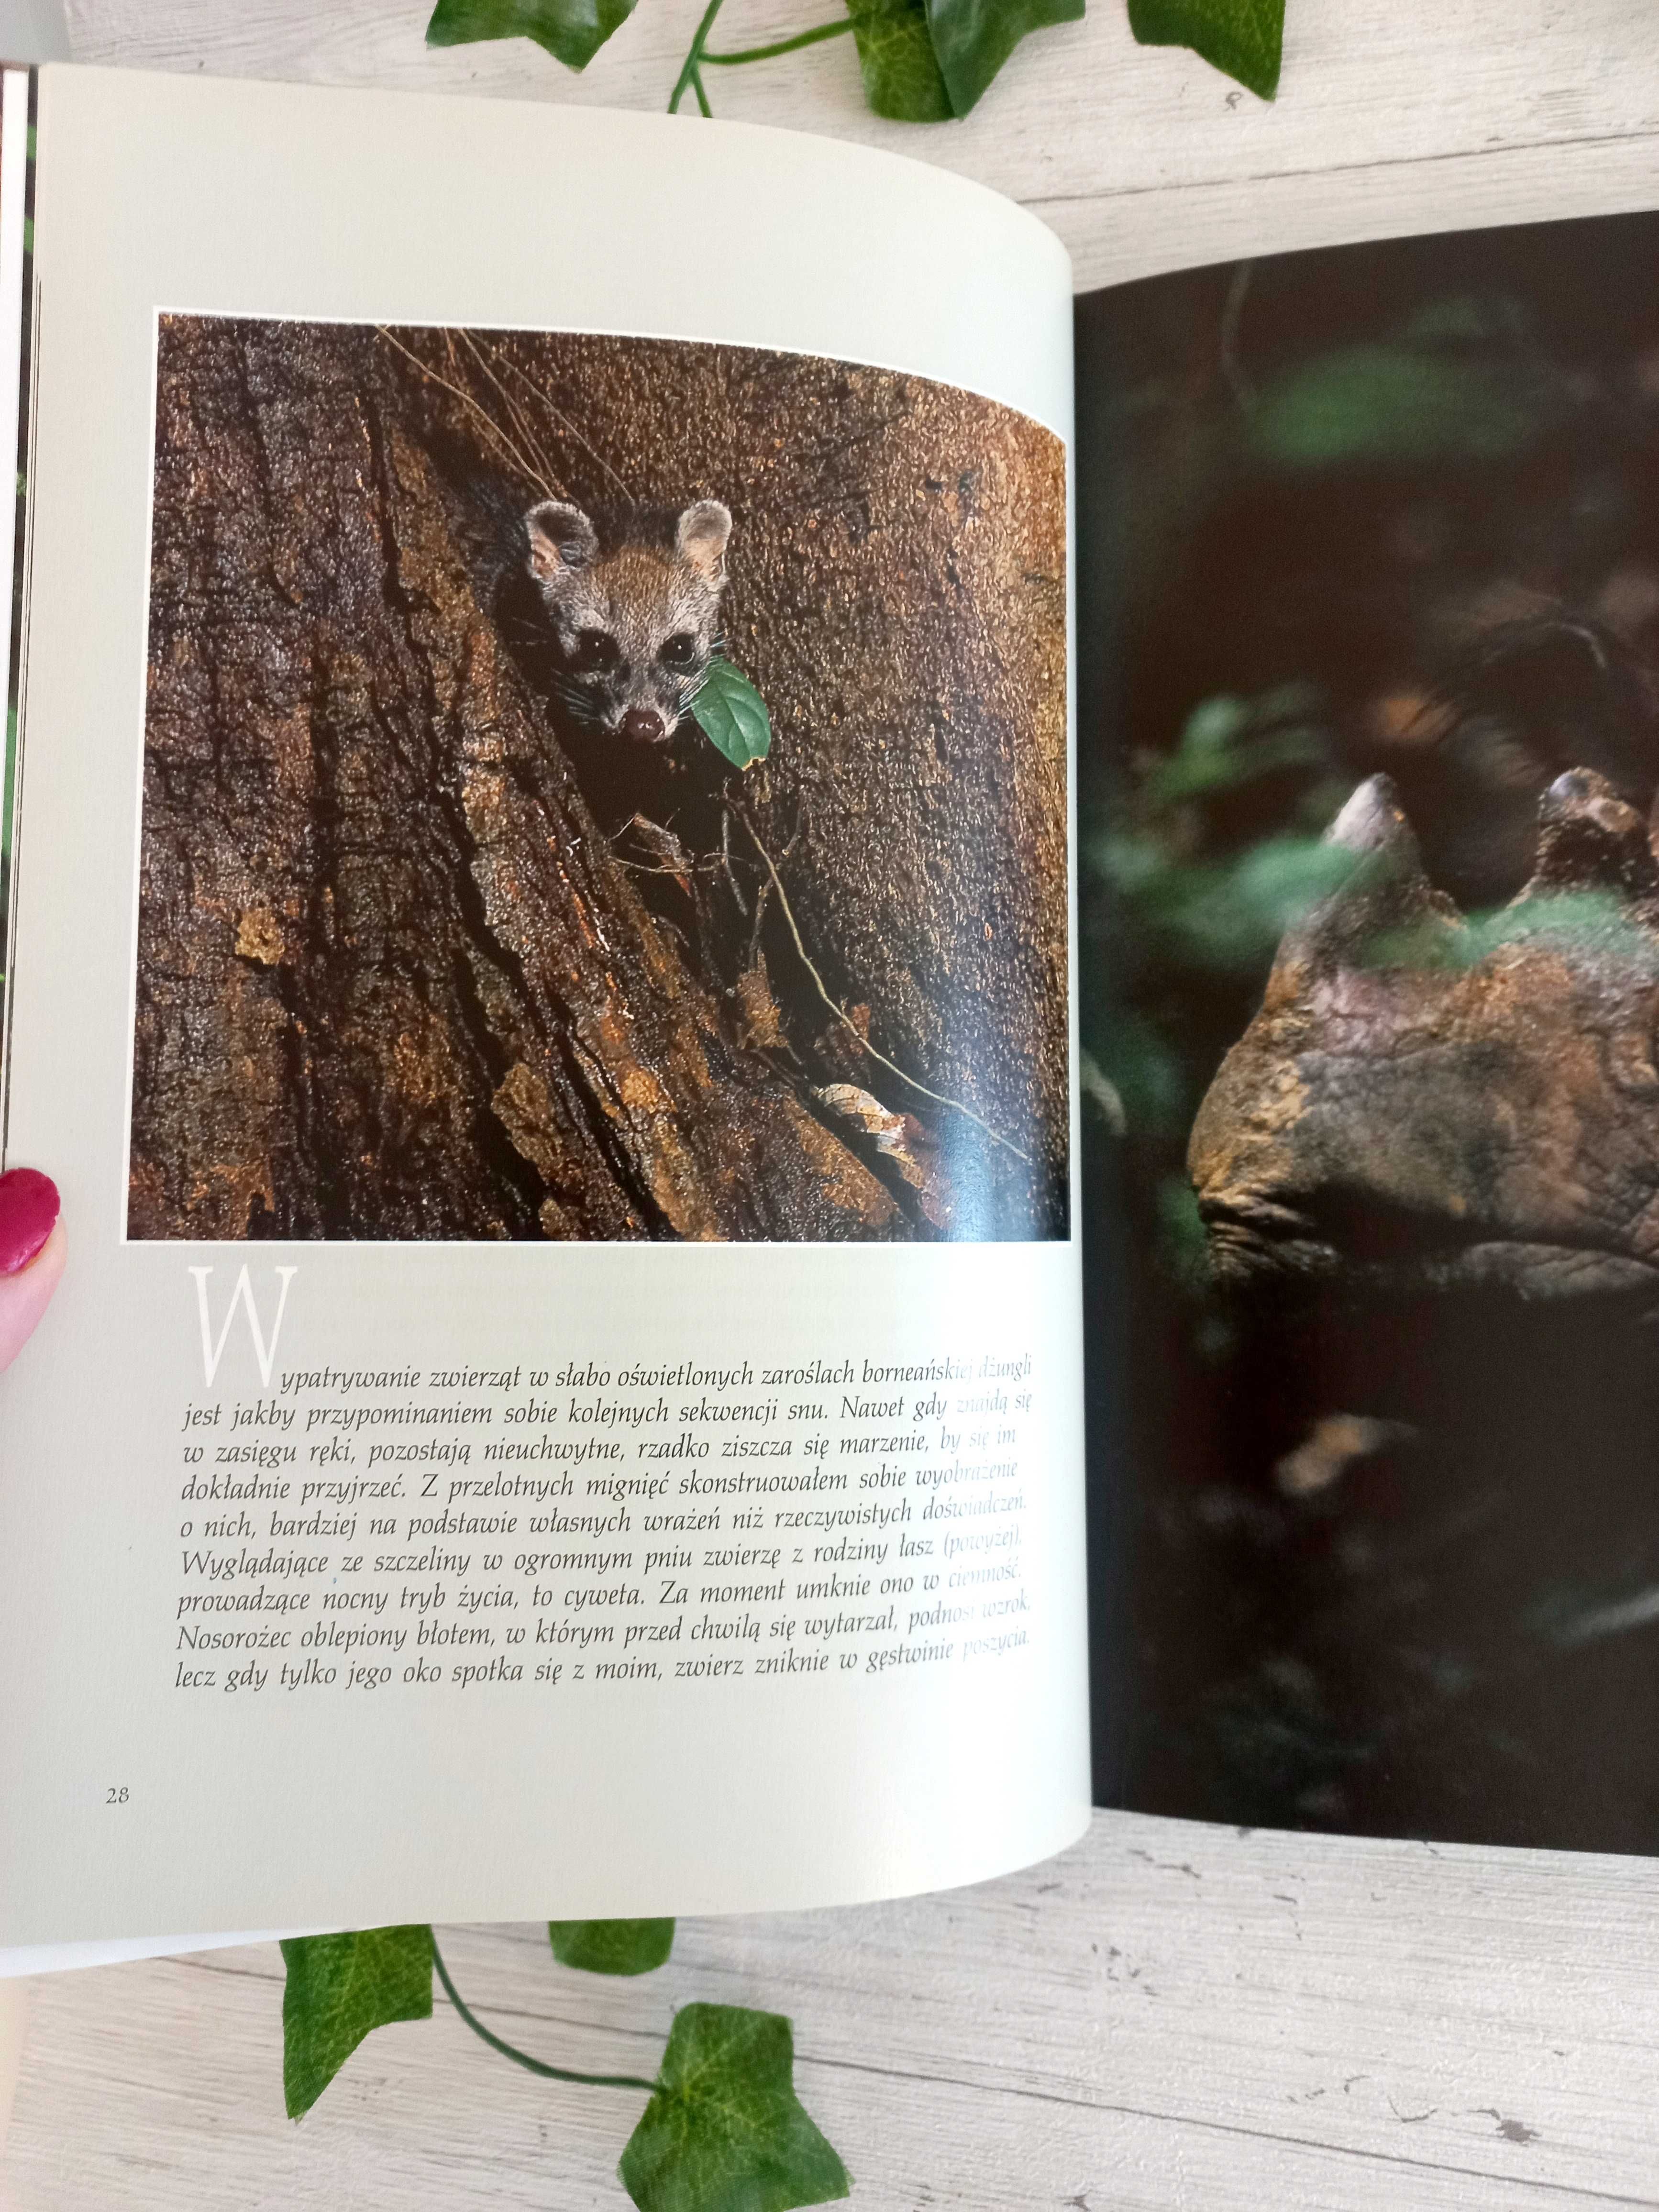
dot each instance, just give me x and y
(19, 311)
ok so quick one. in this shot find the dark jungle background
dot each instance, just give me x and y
(1314, 491)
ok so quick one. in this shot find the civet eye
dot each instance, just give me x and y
(597, 648)
(680, 650)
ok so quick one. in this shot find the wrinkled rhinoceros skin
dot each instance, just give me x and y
(1425, 1102)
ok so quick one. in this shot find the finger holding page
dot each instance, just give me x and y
(32, 1249)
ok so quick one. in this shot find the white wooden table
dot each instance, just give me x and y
(1168, 2016)
(1139, 158)
(1171, 2017)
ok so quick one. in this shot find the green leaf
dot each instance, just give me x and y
(339, 1987)
(572, 31)
(972, 39)
(902, 78)
(731, 715)
(725, 2131)
(612, 1947)
(1396, 404)
(1244, 37)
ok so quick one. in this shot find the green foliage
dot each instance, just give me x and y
(572, 31)
(1142, 1070)
(612, 1947)
(1459, 382)
(972, 39)
(1215, 852)
(1227, 742)
(731, 715)
(901, 76)
(1226, 916)
(1243, 38)
(1389, 403)
(341, 1987)
(1183, 1244)
(1591, 928)
(725, 2131)
(1223, 911)
(922, 60)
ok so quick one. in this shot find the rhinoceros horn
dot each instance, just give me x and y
(1385, 891)
(1589, 840)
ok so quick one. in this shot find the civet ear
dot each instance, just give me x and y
(561, 538)
(702, 537)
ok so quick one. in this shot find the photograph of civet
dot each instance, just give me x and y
(597, 788)
(1371, 987)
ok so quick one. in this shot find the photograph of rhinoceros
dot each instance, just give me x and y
(1371, 995)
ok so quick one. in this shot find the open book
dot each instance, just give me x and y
(542, 949)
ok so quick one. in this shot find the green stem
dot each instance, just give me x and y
(688, 79)
(779, 46)
(523, 2058)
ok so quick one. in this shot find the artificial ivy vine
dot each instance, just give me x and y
(722, 2127)
(922, 60)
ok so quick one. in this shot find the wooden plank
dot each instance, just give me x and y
(1140, 158)
(1169, 2016)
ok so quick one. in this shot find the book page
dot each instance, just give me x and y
(543, 971)
(1369, 575)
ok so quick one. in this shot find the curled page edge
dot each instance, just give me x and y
(117, 1950)
(17, 98)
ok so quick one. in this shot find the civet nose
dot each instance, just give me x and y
(644, 725)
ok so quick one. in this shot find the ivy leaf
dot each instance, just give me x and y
(612, 1947)
(1244, 37)
(339, 1987)
(901, 72)
(731, 715)
(725, 2131)
(572, 31)
(972, 39)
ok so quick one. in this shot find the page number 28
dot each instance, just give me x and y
(116, 1796)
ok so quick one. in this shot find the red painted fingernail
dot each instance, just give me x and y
(29, 1206)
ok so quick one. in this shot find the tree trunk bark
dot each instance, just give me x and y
(391, 982)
